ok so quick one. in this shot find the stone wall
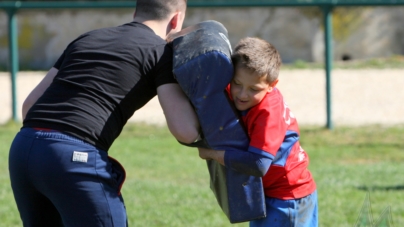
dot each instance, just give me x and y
(378, 31)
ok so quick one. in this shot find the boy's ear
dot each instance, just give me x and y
(274, 83)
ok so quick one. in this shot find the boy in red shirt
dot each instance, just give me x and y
(274, 151)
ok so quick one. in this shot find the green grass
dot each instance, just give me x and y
(167, 184)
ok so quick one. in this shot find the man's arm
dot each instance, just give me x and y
(179, 113)
(38, 91)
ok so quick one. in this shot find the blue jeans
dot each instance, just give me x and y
(290, 213)
(59, 180)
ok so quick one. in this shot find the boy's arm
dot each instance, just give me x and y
(241, 161)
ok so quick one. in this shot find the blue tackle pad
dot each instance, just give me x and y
(202, 66)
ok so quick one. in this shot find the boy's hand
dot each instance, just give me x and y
(209, 154)
(205, 153)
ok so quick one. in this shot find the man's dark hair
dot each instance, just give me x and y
(158, 9)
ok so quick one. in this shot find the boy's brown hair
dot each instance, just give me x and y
(259, 56)
(159, 9)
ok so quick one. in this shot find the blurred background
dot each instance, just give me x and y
(367, 54)
(297, 32)
(168, 185)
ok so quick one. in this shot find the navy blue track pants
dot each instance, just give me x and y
(59, 180)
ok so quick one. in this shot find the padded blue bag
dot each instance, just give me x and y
(202, 66)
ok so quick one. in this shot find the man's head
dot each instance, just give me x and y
(256, 69)
(159, 9)
(164, 11)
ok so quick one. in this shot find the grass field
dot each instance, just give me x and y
(167, 184)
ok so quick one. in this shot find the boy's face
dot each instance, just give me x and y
(247, 88)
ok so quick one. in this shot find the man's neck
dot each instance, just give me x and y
(159, 27)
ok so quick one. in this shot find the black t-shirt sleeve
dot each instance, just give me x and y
(164, 68)
(59, 61)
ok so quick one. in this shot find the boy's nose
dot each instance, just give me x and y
(243, 94)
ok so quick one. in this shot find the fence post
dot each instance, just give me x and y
(13, 57)
(327, 14)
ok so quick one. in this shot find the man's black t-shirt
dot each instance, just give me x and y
(104, 76)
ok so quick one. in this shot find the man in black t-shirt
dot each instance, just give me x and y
(60, 171)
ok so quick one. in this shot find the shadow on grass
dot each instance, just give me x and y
(382, 188)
